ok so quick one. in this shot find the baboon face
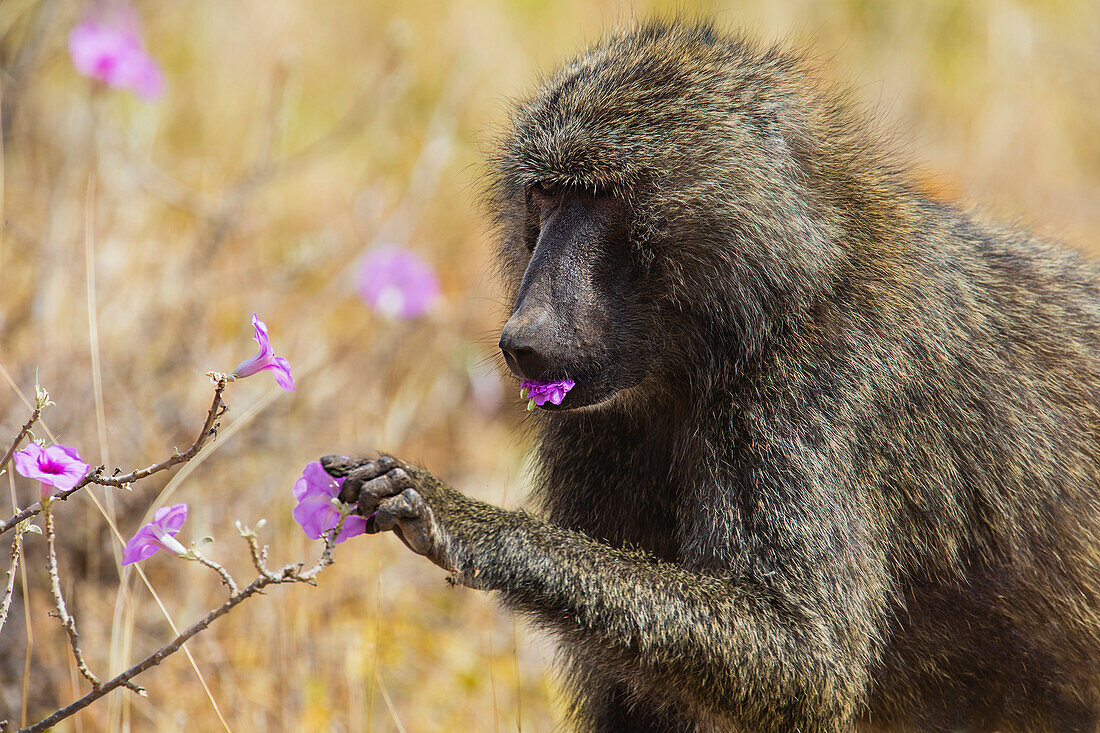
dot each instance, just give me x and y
(579, 310)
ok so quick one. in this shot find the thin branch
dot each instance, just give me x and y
(122, 481)
(140, 572)
(16, 552)
(156, 657)
(326, 554)
(63, 615)
(19, 437)
(290, 573)
(227, 579)
(259, 554)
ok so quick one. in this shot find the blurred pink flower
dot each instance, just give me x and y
(58, 465)
(317, 514)
(108, 48)
(157, 535)
(540, 393)
(265, 359)
(397, 283)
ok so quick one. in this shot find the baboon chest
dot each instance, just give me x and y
(627, 495)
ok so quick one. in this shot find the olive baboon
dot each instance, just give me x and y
(832, 460)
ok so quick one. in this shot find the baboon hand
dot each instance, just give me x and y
(391, 496)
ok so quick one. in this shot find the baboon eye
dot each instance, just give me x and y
(547, 188)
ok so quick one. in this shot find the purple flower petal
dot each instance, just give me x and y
(316, 481)
(553, 392)
(261, 335)
(67, 450)
(281, 372)
(158, 534)
(59, 466)
(354, 525)
(141, 546)
(171, 518)
(265, 359)
(109, 49)
(396, 283)
(144, 77)
(315, 512)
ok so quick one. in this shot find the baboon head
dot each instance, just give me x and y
(653, 209)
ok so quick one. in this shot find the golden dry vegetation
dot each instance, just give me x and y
(292, 136)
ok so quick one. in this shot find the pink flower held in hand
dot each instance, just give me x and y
(58, 465)
(265, 359)
(157, 535)
(538, 393)
(316, 510)
(108, 48)
(397, 283)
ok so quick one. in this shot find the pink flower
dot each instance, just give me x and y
(317, 514)
(58, 465)
(397, 283)
(539, 393)
(158, 534)
(265, 359)
(108, 48)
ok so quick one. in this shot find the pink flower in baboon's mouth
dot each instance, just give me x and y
(316, 512)
(158, 534)
(265, 359)
(539, 393)
(57, 465)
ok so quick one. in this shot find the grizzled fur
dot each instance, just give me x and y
(851, 477)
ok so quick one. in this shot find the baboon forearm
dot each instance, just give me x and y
(680, 624)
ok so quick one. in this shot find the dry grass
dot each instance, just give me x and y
(292, 136)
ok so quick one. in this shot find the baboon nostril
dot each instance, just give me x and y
(525, 359)
(518, 358)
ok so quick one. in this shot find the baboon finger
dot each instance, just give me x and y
(341, 466)
(379, 488)
(393, 510)
(338, 466)
(365, 471)
(408, 515)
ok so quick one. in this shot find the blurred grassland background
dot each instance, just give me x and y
(292, 136)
